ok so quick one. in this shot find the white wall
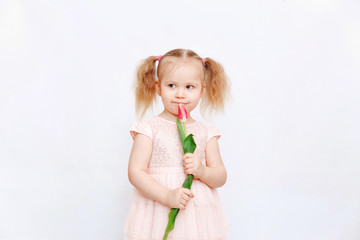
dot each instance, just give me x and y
(290, 137)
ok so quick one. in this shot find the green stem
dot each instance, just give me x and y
(184, 127)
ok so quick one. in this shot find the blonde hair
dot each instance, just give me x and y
(215, 80)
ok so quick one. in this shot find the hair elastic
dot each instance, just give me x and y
(159, 57)
(203, 60)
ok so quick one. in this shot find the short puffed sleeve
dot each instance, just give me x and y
(142, 127)
(213, 132)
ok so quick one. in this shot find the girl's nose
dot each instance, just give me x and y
(180, 93)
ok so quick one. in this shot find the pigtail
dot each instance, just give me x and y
(145, 92)
(217, 87)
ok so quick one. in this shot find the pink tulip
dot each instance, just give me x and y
(182, 114)
(189, 145)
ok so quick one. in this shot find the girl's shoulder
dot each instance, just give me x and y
(210, 130)
(149, 126)
(141, 127)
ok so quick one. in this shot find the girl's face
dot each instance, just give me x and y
(181, 83)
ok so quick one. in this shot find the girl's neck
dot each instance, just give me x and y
(172, 118)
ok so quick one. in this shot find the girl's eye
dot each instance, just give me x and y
(189, 86)
(171, 85)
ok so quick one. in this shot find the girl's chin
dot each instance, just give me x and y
(171, 113)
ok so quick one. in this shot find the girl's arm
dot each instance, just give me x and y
(137, 170)
(142, 181)
(214, 174)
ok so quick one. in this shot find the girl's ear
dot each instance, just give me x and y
(157, 86)
(202, 90)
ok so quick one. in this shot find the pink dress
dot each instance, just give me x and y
(203, 217)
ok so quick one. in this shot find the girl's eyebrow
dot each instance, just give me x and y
(192, 82)
(168, 81)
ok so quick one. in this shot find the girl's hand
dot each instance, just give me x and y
(179, 198)
(193, 165)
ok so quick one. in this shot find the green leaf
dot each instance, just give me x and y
(188, 181)
(189, 144)
(171, 222)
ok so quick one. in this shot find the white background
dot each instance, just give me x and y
(290, 137)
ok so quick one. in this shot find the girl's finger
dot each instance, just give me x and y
(183, 202)
(188, 160)
(189, 165)
(187, 155)
(191, 195)
(188, 192)
(186, 198)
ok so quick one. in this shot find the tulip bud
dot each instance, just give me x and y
(182, 114)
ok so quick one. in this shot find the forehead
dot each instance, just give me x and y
(181, 69)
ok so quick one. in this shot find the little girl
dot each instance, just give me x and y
(157, 165)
